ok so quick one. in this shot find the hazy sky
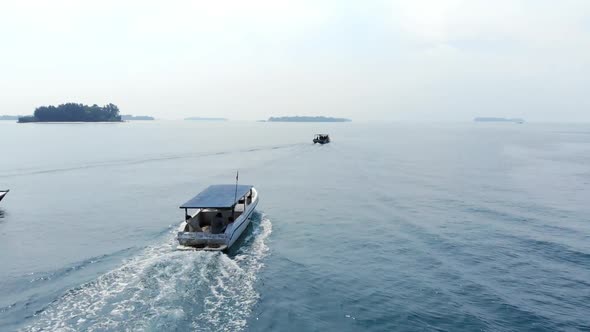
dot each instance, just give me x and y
(398, 60)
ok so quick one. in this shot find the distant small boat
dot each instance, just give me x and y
(223, 213)
(321, 138)
(3, 193)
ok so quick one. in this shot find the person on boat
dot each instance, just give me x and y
(193, 223)
(217, 225)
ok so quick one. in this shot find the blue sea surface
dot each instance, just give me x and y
(391, 227)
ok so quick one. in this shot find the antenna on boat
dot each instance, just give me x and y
(235, 195)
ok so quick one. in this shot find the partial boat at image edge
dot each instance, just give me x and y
(3, 193)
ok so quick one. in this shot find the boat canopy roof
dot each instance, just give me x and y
(218, 196)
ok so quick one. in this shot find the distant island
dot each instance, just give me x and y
(126, 117)
(492, 119)
(9, 117)
(72, 112)
(307, 119)
(196, 118)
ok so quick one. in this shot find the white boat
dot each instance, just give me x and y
(3, 193)
(222, 214)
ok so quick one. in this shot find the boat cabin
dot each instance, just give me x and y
(321, 138)
(217, 207)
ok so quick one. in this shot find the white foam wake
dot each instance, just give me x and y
(164, 289)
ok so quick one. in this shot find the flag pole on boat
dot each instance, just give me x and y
(235, 196)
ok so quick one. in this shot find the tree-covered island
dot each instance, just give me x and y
(72, 112)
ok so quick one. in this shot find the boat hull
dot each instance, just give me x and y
(241, 227)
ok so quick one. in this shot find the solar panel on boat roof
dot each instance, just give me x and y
(217, 196)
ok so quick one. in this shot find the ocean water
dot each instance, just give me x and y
(391, 227)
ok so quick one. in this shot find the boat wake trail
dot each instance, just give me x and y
(165, 289)
(140, 161)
